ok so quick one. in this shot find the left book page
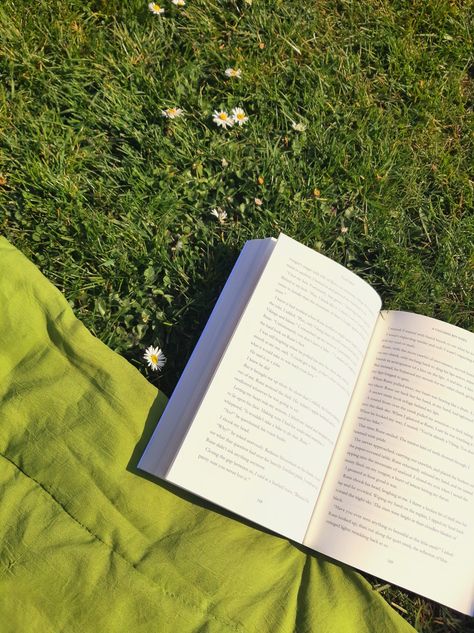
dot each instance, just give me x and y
(190, 390)
(264, 432)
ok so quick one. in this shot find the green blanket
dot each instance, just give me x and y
(87, 544)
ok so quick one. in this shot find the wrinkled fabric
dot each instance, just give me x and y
(89, 544)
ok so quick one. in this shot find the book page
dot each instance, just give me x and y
(262, 438)
(399, 501)
(174, 423)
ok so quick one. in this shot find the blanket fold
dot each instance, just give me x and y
(88, 545)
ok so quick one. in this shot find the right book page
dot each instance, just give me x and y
(398, 501)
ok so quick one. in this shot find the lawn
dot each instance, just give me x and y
(359, 143)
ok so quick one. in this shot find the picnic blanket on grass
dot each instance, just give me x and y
(87, 544)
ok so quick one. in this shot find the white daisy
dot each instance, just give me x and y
(239, 116)
(155, 8)
(154, 357)
(233, 72)
(298, 127)
(220, 214)
(222, 119)
(179, 3)
(258, 202)
(172, 113)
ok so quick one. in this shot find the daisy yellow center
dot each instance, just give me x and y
(154, 359)
(223, 116)
(240, 116)
(156, 7)
(171, 110)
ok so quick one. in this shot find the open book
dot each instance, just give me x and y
(307, 410)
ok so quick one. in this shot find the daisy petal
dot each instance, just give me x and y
(154, 357)
(172, 113)
(233, 72)
(155, 8)
(222, 119)
(220, 214)
(239, 116)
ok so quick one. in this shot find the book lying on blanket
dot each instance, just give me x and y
(309, 411)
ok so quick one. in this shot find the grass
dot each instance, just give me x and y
(112, 201)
